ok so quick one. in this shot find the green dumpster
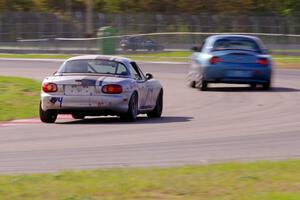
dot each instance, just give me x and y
(107, 46)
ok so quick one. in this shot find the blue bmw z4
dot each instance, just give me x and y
(236, 59)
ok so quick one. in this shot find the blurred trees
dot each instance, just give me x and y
(282, 7)
(234, 6)
(19, 5)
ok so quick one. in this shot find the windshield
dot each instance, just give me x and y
(94, 66)
(236, 44)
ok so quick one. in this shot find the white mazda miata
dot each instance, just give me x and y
(95, 85)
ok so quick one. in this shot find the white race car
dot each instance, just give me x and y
(95, 85)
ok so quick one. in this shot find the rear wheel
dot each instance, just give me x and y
(48, 116)
(203, 86)
(253, 85)
(132, 109)
(267, 86)
(157, 111)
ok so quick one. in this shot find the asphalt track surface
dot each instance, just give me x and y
(227, 123)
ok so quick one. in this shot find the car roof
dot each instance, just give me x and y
(216, 37)
(212, 39)
(101, 57)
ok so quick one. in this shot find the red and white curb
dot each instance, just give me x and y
(21, 122)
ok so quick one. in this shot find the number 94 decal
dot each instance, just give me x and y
(53, 100)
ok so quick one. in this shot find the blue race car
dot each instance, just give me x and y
(234, 59)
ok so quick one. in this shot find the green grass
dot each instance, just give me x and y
(19, 98)
(286, 50)
(232, 181)
(177, 56)
(281, 61)
(287, 59)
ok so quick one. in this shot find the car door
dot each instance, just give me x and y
(141, 84)
(152, 93)
(150, 99)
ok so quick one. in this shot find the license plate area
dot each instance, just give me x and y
(79, 90)
(238, 74)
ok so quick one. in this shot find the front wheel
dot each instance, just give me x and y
(191, 80)
(191, 84)
(157, 111)
(132, 112)
(48, 116)
(200, 83)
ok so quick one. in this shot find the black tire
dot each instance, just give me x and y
(253, 85)
(132, 112)
(157, 111)
(203, 86)
(48, 116)
(78, 116)
(267, 86)
(124, 49)
(190, 80)
(192, 84)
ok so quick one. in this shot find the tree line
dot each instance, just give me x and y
(278, 7)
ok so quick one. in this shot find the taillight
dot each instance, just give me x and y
(112, 89)
(49, 87)
(262, 61)
(215, 60)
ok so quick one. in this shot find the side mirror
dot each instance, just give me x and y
(149, 76)
(268, 51)
(195, 48)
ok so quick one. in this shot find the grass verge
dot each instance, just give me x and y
(38, 56)
(19, 98)
(232, 181)
(281, 61)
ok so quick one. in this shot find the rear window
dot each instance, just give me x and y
(236, 44)
(94, 66)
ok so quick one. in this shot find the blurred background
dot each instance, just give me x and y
(100, 26)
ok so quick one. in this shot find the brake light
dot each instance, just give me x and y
(112, 89)
(215, 60)
(262, 61)
(49, 87)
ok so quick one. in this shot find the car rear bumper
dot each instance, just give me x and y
(237, 75)
(113, 103)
